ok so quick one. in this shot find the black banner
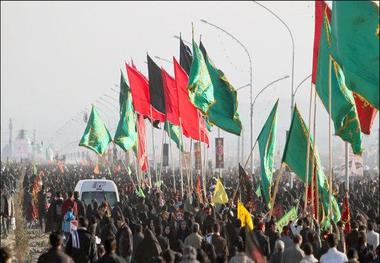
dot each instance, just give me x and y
(219, 153)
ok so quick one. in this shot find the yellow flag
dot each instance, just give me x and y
(244, 216)
(220, 195)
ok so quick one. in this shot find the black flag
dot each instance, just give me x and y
(185, 56)
(156, 88)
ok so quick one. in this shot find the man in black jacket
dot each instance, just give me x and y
(81, 245)
(124, 240)
(110, 255)
(262, 238)
(55, 253)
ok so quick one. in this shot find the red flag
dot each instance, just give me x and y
(188, 113)
(141, 154)
(140, 95)
(320, 8)
(346, 218)
(171, 98)
(366, 113)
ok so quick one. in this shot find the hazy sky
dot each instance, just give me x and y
(59, 57)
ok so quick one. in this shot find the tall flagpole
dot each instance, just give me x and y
(330, 144)
(200, 149)
(308, 153)
(314, 176)
(190, 173)
(220, 170)
(162, 159)
(346, 166)
(153, 146)
(180, 155)
(314, 170)
(171, 157)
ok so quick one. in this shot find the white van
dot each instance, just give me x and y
(99, 190)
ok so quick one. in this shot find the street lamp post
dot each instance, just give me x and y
(250, 81)
(293, 51)
(293, 96)
(258, 94)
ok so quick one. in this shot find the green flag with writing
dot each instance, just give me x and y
(174, 133)
(343, 109)
(355, 40)
(223, 112)
(96, 137)
(291, 215)
(201, 91)
(126, 134)
(267, 145)
(295, 156)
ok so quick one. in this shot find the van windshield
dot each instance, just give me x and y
(88, 197)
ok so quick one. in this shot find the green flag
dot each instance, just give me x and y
(258, 191)
(223, 112)
(126, 134)
(140, 192)
(355, 37)
(295, 154)
(201, 91)
(343, 109)
(34, 169)
(174, 132)
(267, 145)
(124, 90)
(96, 137)
(291, 215)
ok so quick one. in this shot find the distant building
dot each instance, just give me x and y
(22, 147)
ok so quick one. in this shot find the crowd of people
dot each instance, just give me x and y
(165, 225)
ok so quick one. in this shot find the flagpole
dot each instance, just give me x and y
(153, 148)
(308, 152)
(171, 157)
(200, 143)
(346, 166)
(162, 159)
(130, 177)
(280, 173)
(180, 155)
(330, 144)
(220, 169)
(190, 178)
(147, 156)
(314, 170)
(314, 176)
